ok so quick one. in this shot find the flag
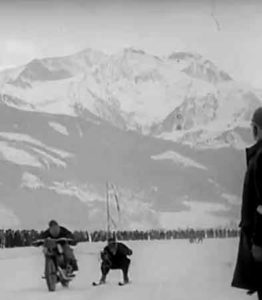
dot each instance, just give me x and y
(116, 198)
(114, 207)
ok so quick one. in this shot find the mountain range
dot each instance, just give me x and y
(167, 131)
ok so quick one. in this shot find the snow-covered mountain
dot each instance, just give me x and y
(151, 125)
(183, 97)
(57, 166)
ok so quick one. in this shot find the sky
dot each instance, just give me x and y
(229, 32)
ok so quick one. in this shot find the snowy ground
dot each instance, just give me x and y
(168, 270)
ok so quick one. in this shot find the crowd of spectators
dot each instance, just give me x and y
(22, 238)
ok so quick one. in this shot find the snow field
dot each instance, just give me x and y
(170, 270)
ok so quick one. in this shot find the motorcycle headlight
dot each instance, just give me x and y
(59, 249)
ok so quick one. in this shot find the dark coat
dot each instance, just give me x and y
(118, 259)
(64, 233)
(247, 271)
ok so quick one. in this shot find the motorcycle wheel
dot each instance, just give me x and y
(50, 274)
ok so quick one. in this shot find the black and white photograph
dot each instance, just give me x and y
(131, 149)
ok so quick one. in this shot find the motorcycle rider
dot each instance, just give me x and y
(56, 231)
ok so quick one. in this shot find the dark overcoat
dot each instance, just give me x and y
(119, 259)
(248, 273)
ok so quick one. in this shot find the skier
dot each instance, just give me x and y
(114, 256)
(56, 231)
(248, 271)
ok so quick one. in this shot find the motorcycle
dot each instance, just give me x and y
(57, 269)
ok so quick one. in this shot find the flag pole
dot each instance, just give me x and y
(107, 210)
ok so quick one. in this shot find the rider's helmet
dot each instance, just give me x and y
(111, 239)
(112, 244)
(54, 228)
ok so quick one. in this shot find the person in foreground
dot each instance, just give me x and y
(114, 256)
(56, 231)
(248, 270)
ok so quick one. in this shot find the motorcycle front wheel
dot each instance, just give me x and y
(50, 274)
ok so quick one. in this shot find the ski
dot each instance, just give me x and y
(97, 283)
(123, 283)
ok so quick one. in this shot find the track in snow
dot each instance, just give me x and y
(168, 270)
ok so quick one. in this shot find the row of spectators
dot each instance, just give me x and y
(98, 236)
(22, 238)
